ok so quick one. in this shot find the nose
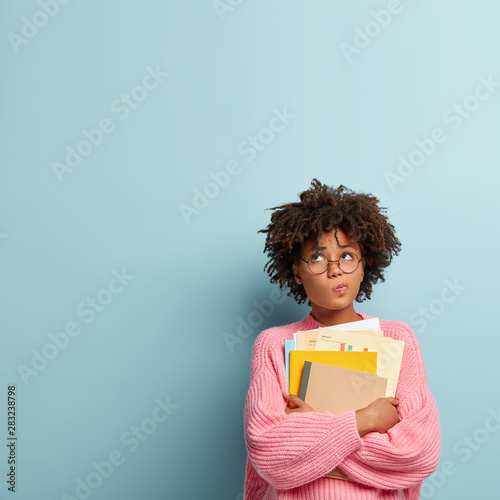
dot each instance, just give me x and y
(333, 268)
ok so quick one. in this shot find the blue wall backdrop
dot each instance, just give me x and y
(141, 143)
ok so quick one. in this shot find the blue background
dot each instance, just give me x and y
(194, 278)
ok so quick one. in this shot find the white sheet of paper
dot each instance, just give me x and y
(364, 324)
(306, 340)
(371, 324)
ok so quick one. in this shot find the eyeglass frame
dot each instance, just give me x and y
(330, 262)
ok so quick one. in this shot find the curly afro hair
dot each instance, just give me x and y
(323, 208)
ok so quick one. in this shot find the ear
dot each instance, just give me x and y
(295, 269)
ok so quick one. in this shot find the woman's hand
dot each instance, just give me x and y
(378, 416)
(302, 407)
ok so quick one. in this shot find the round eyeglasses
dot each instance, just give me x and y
(318, 263)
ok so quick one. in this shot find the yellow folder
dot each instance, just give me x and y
(363, 361)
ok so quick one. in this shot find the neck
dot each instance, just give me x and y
(330, 317)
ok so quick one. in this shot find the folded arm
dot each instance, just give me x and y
(404, 456)
(290, 450)
(409, 451)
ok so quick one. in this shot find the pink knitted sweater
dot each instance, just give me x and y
(288, 455)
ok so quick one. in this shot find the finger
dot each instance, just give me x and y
(393, 401)
(293, 398)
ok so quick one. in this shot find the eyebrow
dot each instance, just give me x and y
(316, 247)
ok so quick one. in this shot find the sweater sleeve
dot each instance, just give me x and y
(409, 451)
(291, 450)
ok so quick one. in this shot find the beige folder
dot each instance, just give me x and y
(333, 389)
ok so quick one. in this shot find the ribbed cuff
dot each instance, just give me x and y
(337, 444)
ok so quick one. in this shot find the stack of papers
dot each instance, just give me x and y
(343, 367)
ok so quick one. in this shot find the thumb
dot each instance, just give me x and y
(293, 398)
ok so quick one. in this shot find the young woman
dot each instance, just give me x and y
(330, 248)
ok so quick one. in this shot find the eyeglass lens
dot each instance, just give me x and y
(348, 263)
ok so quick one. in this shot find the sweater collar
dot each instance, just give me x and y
(310, 323)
